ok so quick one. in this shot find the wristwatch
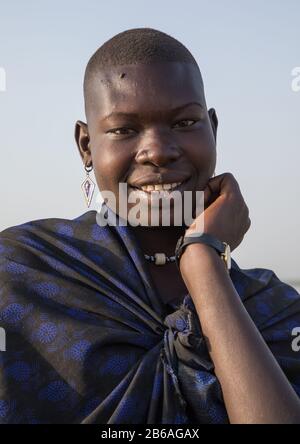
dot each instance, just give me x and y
(221, 247)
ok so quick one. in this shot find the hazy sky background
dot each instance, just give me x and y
(246, 51)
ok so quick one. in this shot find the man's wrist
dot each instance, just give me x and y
(193, 253)
(222, 249)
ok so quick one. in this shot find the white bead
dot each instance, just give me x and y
(160, 258)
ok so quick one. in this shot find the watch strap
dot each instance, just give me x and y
(204, 238)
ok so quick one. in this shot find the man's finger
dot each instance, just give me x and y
(223, 184)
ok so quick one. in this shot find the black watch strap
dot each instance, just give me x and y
(203, 238)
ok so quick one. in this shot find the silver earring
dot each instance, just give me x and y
(88, 185)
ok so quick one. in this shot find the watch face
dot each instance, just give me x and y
(228, 256)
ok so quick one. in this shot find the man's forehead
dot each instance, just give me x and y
(152, 74)
(165, 84)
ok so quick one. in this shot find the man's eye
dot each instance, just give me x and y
(182, 123)
(120, 131)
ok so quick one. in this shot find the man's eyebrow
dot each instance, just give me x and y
(135, 115)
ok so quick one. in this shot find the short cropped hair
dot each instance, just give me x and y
(137, 45)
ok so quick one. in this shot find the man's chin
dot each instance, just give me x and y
(156, 217)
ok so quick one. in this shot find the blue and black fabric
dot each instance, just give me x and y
(88, 340)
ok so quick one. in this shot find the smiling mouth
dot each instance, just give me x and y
(166, 188)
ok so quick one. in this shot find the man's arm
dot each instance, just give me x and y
(254, 387)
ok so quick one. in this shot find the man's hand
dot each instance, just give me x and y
(226, 215)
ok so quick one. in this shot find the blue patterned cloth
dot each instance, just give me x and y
(89, 341)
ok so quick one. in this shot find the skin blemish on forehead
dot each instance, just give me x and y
(106, 81)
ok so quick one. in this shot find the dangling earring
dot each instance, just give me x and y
(88, 185)
(214, 174)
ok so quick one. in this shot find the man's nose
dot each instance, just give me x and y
(159, 148)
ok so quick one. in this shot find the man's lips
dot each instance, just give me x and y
(158, 180)
(154, 181)
(138, 192)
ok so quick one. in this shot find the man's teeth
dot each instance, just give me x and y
(161, 187)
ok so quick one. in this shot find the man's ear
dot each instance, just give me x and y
(213, 121)
(82, 140)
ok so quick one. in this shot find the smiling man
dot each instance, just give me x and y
(145, 324)
(147, 121)
(148, 126)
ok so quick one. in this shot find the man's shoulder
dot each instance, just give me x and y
(57, 224)
(35, 236)
(261, 287)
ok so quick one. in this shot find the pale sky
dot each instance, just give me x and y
(246, 51)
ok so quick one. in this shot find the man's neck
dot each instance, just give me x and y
(158, 239)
